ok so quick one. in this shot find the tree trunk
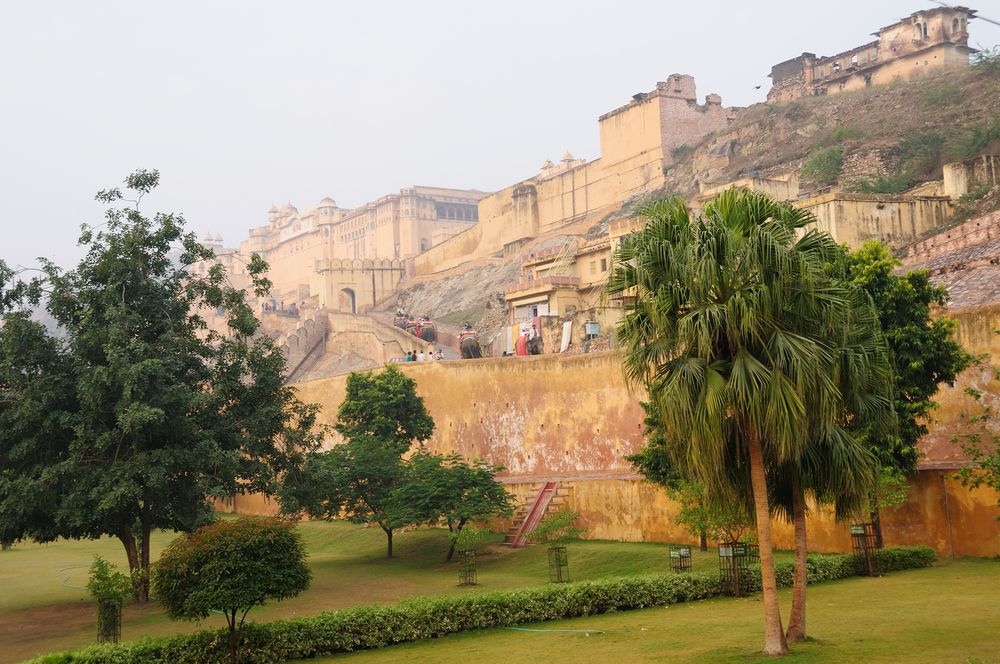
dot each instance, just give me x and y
(234, 643)
(388, 542)
(451, 552)
(797, 621)
(774, 635)
(128, 541)
(143, 592)
(876, 525)
(703, 541)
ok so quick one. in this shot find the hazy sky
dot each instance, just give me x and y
(244, 104)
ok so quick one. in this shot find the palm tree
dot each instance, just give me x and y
(728, 318)
(837, 466)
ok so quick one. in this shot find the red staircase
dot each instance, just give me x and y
(533, 515)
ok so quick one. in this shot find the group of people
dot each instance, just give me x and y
(420, 356)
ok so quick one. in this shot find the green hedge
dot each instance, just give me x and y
(378, 626)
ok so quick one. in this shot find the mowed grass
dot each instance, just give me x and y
(45, 608)
(947, 613)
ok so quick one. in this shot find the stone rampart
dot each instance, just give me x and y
(573, 419)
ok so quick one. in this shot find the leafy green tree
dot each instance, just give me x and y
(381, 417)
(138, 416)
(231, 566)
(728, 327)
(923, 353)
(447, 487)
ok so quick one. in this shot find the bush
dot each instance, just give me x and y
(824, 166)
(378, 626)
(681, 151)
(880, 184)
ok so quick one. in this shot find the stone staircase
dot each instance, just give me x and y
(549, 498)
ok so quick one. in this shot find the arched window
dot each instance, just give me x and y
(424, 244)
(919, 31)
(954, 25)
(925, 30)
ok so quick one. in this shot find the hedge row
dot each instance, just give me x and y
(378, 626)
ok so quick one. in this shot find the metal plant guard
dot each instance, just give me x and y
(680, 558)
(558, 564)
(736, 563)
(467, 569)
(109, 620)
(866, 560)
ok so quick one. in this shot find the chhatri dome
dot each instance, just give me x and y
(328, 202)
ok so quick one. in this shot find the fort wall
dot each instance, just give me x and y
(573, 419)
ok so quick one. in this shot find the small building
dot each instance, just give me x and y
(926, 40)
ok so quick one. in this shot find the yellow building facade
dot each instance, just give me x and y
(931, 39)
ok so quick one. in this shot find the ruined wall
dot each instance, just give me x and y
(573, 420)
(972, 233)
(896, 220)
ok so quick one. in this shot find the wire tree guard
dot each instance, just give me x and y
(865, 545)
(680, 558)
(736, 562)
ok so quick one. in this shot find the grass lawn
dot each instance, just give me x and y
(947, 613)
(44, 608)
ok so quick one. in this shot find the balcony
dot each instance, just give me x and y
(540, 285)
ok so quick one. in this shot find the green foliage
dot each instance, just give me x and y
(703, 517)
(380, 626)
(681, 151)
(718, 520)
(923, 153)
(106, 583)
(842, 134)
(138, 415)
(385, 407)
(941, 94)
(558, 527)
(880, 184)
(367, 479)
(446, 487)
(824, 165)
(987, 60)
(922, 348)
(981, 445)
(471, 537)
(232, 566)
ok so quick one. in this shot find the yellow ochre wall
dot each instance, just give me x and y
(572, 419)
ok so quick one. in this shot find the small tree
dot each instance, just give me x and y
(449, 488)
(558, 527)
(381, 417)
(110, 588)
(705, 518)
(231, 566)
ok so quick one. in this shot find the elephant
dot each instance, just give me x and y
(535, 346)
(428, 333)
(470, 348)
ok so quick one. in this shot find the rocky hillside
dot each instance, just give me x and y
(889, 137)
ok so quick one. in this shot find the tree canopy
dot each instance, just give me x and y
(137, 415)
(231, 566)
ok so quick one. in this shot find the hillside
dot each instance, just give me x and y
(904, 132)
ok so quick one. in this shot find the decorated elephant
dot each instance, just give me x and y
(535, 346)
(400, 319)
(468, 344)
(427, 332)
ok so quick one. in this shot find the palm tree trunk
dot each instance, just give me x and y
(797, 621)
(774, 635)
